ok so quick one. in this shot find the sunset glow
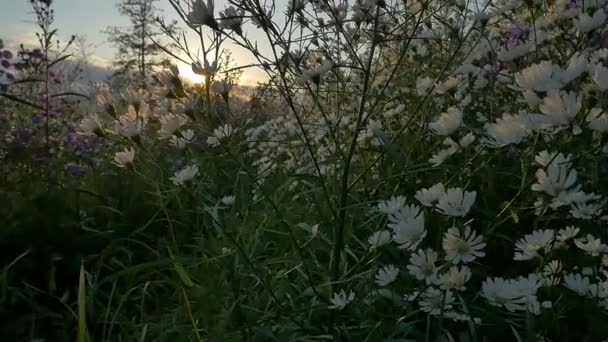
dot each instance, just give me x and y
(187, 74)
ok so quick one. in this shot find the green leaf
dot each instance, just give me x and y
(82, 307)
(181, 271)
(70, 94)
(4, 277)
(58, 60)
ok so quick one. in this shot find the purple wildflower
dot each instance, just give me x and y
(74, 169)
(518, 35)
(37, 119)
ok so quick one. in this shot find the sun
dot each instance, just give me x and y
(186, 72)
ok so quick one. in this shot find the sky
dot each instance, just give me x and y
(89, 18)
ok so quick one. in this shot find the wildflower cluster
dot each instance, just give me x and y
(430, 170)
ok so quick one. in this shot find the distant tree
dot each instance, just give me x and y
(139, 49)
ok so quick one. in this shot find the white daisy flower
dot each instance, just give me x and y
(184, 175)
(219, 133)
(513, 294)
(577, 283)
(441, 156)
(91, 125)
(392, 205)
(598, 118)
(448, 122)
(428, 197)
(591, 245)
(561, 107)
(408, 232)
(543, 76)
(558, 176)
(184, 138)
(586, 23)
(422, 265)
(340, 300)
(125, 158)
(462, 246)
(455, 278)
(510, 129)
(527, 248)
(228, 200)
(600, 77)
(170, 123)
(552, 271)
(456, 202)
(387, 275)
(379, 239)
(567, 233)
(434, 301)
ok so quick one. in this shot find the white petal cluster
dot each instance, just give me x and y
(456, 202)
(340, 300)
(529, 246)
(185, 175)
(513, 294)
(462, 246)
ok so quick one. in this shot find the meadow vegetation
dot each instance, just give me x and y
(414, 170)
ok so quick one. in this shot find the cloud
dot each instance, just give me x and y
(97, 69)
(94, 68)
